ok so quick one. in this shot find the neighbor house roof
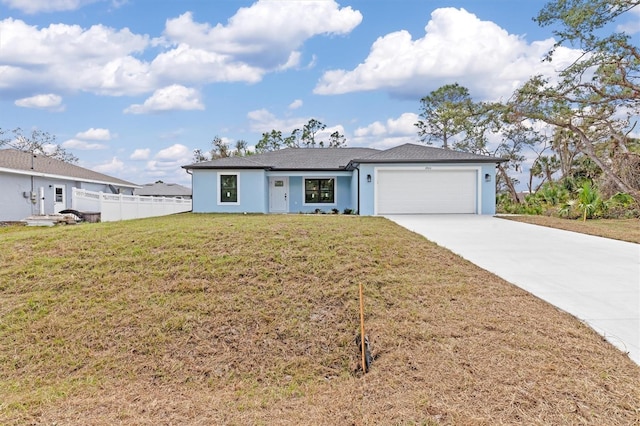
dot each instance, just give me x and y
(161, 189)
(342, 158)
(290, 159)
(14, 161)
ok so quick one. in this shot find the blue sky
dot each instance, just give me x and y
(132, 87)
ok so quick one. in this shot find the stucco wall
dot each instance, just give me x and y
(488, 189)
(13, 205)
(251, 192)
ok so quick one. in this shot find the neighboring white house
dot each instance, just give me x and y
(407, 179)
(161, 189)
(36, 184)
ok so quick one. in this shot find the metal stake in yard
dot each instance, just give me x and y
(362, 342)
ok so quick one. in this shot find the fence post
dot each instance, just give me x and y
(101, 205)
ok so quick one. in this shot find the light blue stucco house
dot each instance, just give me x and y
(407, 179)
(32, 184)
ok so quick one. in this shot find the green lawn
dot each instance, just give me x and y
(234, 319)
(617, 229)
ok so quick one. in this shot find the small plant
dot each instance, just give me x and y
(588, 200)
(335, 211)
(347, 211)
(567, 209)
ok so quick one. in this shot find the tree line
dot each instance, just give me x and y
(306, 137)
(589, 114)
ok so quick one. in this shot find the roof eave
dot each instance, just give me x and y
(308, 169)
(441, 161)
(211, 167)
(64, 177)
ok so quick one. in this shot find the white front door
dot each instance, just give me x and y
(59, 198)
(278, 194)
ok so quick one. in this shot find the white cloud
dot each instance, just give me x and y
(49, 148)
(456, 47)
(174, 97)
(264, 37)
(188, 64)
(36, 6)
(295, 104)
(82, 145)
(262, 120)
(48, 101)
(169, 161)
(267, 33)
(140, 154)
(95, 134)
(173, 153)
(393, 132)
(68, 57)
(112, 166)
(374, 129)
(633, 25)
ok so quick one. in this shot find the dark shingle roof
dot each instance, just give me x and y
(22, 161)
(160, 189)
(421, 153)
(342, 158)
(228, 163)
(290, 159)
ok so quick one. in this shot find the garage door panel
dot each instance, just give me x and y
(426, 191)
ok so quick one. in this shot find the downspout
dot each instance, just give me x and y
(358, 169)
(32, 195)
(41, 201)
(191, 174)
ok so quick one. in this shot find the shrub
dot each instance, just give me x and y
(589, 201)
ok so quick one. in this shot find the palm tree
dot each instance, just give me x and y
(588, 200)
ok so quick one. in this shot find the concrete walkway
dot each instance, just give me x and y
(595, 279)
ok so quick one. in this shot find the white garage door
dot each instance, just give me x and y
(426, 191)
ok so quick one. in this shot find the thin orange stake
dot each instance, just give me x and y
(362, 342)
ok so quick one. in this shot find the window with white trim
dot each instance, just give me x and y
(319, 190)
(228, 188)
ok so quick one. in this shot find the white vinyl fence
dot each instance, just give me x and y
(114, 207)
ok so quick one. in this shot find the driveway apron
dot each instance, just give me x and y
(595, 279)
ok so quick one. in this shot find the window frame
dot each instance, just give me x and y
(319, 178)
(219, 189)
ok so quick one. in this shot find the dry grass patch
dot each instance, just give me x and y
(617, 229)
(222, 319)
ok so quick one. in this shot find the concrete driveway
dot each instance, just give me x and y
(595, 279)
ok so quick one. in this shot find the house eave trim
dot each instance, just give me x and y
(448, 161)
(62, 177)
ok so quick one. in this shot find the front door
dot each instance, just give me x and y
(278, 194)
(59, 198)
